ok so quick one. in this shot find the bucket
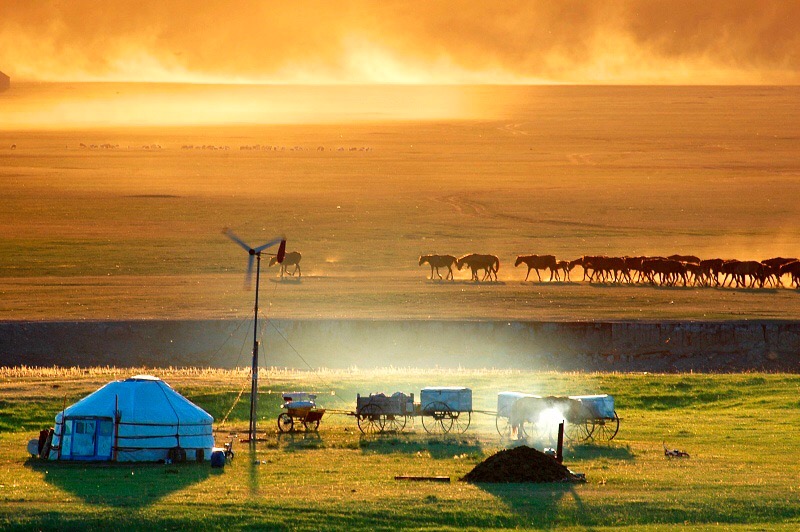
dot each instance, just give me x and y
(218, 459)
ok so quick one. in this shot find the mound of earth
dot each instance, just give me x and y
(520, 464)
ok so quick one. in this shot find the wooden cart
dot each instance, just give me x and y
(586, 417)
(378, 412)
(441, 410)
(301, 409)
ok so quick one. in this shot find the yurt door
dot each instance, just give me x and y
(83, 437)
(91, 438)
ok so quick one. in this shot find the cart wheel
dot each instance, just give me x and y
(461, 421)
(528, 430)
(503, 427)
(437, 418)
(506, 430)
(394, 423)
(285, 422)
(311, 425)
(371, 419)
(578, 432)
(606, 429)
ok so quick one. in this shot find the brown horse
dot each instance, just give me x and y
(525, 410)
(564, 266)
(537, 262)
(489, 263)
(439, 261)
(291, 259)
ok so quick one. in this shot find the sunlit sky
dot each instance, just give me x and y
(405, 42)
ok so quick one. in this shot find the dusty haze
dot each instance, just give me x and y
(675, 42)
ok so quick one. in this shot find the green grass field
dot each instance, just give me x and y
(739, 429)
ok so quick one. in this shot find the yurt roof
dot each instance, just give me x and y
(140, 399)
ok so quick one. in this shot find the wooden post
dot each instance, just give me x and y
(560, 447)
(117, 417)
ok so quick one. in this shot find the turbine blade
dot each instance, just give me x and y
(230, 234)
(269, 244)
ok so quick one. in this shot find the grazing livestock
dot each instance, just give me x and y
(777, 261)
(792, 269)
(489, 263)
(537, 262)
(563, 266)
(688, 259)
(439, 261)
(586, 262)
(668, 271)
(729, 269)
(712, 268)
(749, 268)
(290, 259)
(773, 268)
(697, 272)
(525, 410)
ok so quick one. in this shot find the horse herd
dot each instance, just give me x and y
(664, 271)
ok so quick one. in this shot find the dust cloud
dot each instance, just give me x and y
(356, 42)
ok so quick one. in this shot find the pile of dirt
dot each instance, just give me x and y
(520, 464)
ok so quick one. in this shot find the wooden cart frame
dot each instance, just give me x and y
(308, 417)
(378, 414)
(583, 422)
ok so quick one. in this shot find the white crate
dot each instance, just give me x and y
(457, 399)
(601, 406)
(506, 400)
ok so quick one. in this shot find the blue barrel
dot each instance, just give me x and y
(218, 459)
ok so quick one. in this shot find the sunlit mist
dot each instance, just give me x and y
(68, 105)
(358, 42)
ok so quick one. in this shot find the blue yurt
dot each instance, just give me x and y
(141, 419)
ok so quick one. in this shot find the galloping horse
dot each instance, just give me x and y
(291, 259)
(439, 261)
(537, 262)
(489, 263)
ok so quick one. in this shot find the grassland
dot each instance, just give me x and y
(739, 430)
(135, 233)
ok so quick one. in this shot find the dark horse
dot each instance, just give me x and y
(537, 262)
(291, 259)
(439, 261)
(489, 263)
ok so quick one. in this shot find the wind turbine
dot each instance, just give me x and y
(255, 253)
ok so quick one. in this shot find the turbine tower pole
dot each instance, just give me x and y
(255, 253)
(254, 368)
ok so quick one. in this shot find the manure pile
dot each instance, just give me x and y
(520, 464)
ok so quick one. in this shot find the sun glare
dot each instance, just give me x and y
(549, 420)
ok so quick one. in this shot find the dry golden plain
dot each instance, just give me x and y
(129, 232)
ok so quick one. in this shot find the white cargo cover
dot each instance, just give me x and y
(601, 406)
(455, 398)
(299, 400)
(505, 400)
(288, 397)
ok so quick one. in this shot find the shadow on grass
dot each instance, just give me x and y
(438, 447)
(300, 441)
(593, 451)
(121, 485)
(536, 505)
(287, 280)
